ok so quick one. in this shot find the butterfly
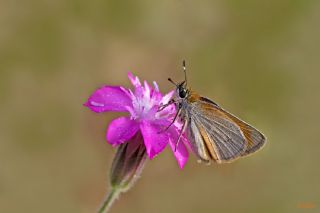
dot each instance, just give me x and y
(214, 134)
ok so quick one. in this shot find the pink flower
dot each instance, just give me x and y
(142, 105)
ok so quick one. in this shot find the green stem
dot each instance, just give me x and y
(111, 197)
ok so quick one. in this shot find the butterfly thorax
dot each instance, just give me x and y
(192, 96)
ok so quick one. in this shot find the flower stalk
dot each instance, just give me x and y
(111, 197)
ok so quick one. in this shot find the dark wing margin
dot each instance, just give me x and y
(204, 99)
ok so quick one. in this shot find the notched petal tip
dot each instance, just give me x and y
(86, 104)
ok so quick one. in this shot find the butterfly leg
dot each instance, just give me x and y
(172, 101)
(183, 129)
(174, 119)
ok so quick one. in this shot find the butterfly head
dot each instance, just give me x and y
(181, 88)
(182, 91)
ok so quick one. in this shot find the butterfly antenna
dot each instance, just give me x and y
(185, 71)
(169, 79)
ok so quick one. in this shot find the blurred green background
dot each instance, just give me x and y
(258, 59)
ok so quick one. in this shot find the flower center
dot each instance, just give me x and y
(144, 107)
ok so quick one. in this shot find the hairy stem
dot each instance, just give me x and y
(111, 197)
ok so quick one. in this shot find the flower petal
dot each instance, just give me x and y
(147, 89)
(154, 141)
(134, 80)
(121, 129)
(109, 98)
(156, 87)
(167, 97)
(181, 153)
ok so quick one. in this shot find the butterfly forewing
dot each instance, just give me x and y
(255, 139)
(218, 134)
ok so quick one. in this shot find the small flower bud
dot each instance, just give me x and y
(128, 163)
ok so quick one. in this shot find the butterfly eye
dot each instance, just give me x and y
(182, 93)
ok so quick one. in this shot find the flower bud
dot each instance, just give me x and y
(128, 163)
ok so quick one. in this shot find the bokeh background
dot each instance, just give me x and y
(258, 59)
